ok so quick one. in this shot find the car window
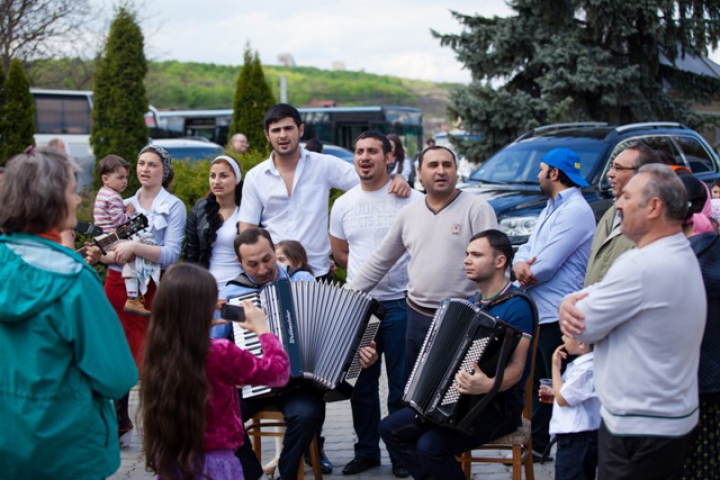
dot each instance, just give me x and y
(658, 142)
(520, 162)
(697, 157)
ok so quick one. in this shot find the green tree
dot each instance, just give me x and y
(119, 99)
(3, 124)
(563, 60)
(253, 97)
(18, 117)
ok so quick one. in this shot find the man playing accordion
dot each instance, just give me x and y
(429, 450)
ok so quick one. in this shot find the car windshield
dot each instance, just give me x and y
(194, 153)
(520, 162)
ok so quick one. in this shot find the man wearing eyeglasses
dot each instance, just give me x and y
(552, 264)
(609, 243)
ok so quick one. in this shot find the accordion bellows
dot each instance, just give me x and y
(321, 327)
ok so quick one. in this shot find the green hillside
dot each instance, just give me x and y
(179, 85)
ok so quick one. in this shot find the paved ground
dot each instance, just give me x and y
(339, 439)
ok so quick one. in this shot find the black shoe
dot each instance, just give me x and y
(399, 471)
(541, 458)
(360, 464)
(326, 466)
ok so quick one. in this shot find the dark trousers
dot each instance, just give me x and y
(428, 451)
(365, 401)
(550, 338)
(303, 409)
(417, 327)
(645, 457)
(577, 456)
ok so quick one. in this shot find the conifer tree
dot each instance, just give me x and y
(253, 97)
(119, 98)
(3, 124)
(18, 119)
(563, 61)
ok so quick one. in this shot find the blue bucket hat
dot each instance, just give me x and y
(568, 162)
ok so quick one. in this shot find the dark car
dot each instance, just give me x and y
(508, 180)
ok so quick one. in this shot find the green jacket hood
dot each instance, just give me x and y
(33, 274)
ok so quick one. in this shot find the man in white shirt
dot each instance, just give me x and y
(358, 222)
(288, 193)
(646, 319)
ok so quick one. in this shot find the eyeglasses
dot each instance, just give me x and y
(620, 168)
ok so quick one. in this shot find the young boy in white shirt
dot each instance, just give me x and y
(576, 412)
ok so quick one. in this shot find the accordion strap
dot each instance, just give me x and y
(514, 293)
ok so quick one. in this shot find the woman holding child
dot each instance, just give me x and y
(212, 222)
(157, 249)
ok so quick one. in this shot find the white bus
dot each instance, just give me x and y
(65, 114)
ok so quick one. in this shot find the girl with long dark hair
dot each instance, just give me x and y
(191, 413)
(212, 222)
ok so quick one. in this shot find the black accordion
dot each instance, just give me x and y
(321, 327)
(459, 334)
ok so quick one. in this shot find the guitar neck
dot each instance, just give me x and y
(102, 242)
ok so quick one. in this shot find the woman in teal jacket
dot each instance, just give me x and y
(64, 355)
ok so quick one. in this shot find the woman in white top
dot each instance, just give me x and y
(158, 248)
(212, 223)
(402, 165)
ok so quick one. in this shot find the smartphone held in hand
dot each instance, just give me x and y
(233, 313)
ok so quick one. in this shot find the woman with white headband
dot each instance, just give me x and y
(212, 222)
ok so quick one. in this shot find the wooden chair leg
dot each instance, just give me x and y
(315, 457)
(466, 464)
(256, 440)
(517, 462)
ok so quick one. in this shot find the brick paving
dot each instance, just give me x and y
(339, 439)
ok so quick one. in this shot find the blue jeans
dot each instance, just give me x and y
(428, 451)
(577, 456)
(365, 401)
(417, 327)
(303, 409)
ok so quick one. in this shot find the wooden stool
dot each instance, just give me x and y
(272, 417)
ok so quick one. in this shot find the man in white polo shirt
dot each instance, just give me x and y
(288, 193)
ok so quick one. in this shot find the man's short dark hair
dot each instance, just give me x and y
(499, 242)
(564, 179)
(314, 145)
(251, 236)
(435, 147)
(377, 136)
(280, 111)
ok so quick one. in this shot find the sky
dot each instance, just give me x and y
(385, 37)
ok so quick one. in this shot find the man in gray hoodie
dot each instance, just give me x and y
(646, 319)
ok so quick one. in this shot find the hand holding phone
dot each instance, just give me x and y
(233, 313)
(256, 319)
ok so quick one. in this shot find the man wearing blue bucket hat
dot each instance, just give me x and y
(552, 264)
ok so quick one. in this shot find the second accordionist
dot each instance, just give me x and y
(461, 333)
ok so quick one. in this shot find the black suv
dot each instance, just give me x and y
(508, 179)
